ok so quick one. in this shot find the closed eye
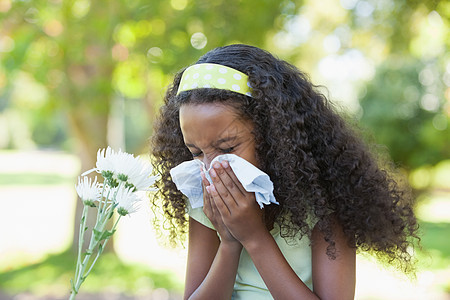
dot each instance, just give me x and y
(227, 150)
(196, 154)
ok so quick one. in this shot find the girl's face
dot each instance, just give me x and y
(213, 129)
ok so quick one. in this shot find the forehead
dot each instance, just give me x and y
(211, 120)
(207, 111)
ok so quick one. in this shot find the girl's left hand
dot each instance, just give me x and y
(239, 210)
(211, 211)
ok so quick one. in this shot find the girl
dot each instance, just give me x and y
(333, 196)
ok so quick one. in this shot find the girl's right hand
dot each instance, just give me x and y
(213, 214)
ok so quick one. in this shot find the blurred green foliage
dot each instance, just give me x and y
(88, 73)
(404, 107)
(70, 67)
(436, 249)
(83, 57)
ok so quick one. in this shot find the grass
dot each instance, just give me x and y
(18, 179)
(53, 274)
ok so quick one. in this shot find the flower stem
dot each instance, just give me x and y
(100, 203)
(79, 271)
(102, 248)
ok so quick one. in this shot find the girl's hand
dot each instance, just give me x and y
(211, 211)
(239, 210)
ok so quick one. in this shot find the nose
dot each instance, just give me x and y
(207, 159)
(206, 162)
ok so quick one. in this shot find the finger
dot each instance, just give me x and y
(226, 166)
(205, 181)
(206, 204)
(245, 195)
(212, 194)
(217, 202)
(207, 207)
(225, 187)
(212, 198)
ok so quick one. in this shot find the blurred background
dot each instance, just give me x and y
(78, 75)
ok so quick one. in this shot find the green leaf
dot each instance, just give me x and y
(97, 235)
(100, 236)
(89, 203)
(107, 234)
(111, 214)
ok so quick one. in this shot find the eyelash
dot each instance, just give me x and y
(227, 150)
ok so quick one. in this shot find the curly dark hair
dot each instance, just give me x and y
(317, 162)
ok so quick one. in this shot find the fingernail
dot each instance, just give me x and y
(216, 165)
(224, 164)
(212, 189)
(213, 173)
(207, 190)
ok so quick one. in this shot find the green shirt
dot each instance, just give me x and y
(249, 284)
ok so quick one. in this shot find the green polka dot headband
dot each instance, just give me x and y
(214, 76)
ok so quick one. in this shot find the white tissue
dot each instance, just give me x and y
(186, 177)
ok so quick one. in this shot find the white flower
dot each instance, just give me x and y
(88, 190)
(127, 201)
(108, 192)
(124, 167)
(105, 160)
(133, 170)
(138, 174)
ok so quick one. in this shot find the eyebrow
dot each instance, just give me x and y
(224, 140)
(220, 141)
(191, 146)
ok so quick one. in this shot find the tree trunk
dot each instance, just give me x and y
(88, 89)
(89, 141)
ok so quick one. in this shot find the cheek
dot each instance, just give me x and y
(249, 154)
(254, 160)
